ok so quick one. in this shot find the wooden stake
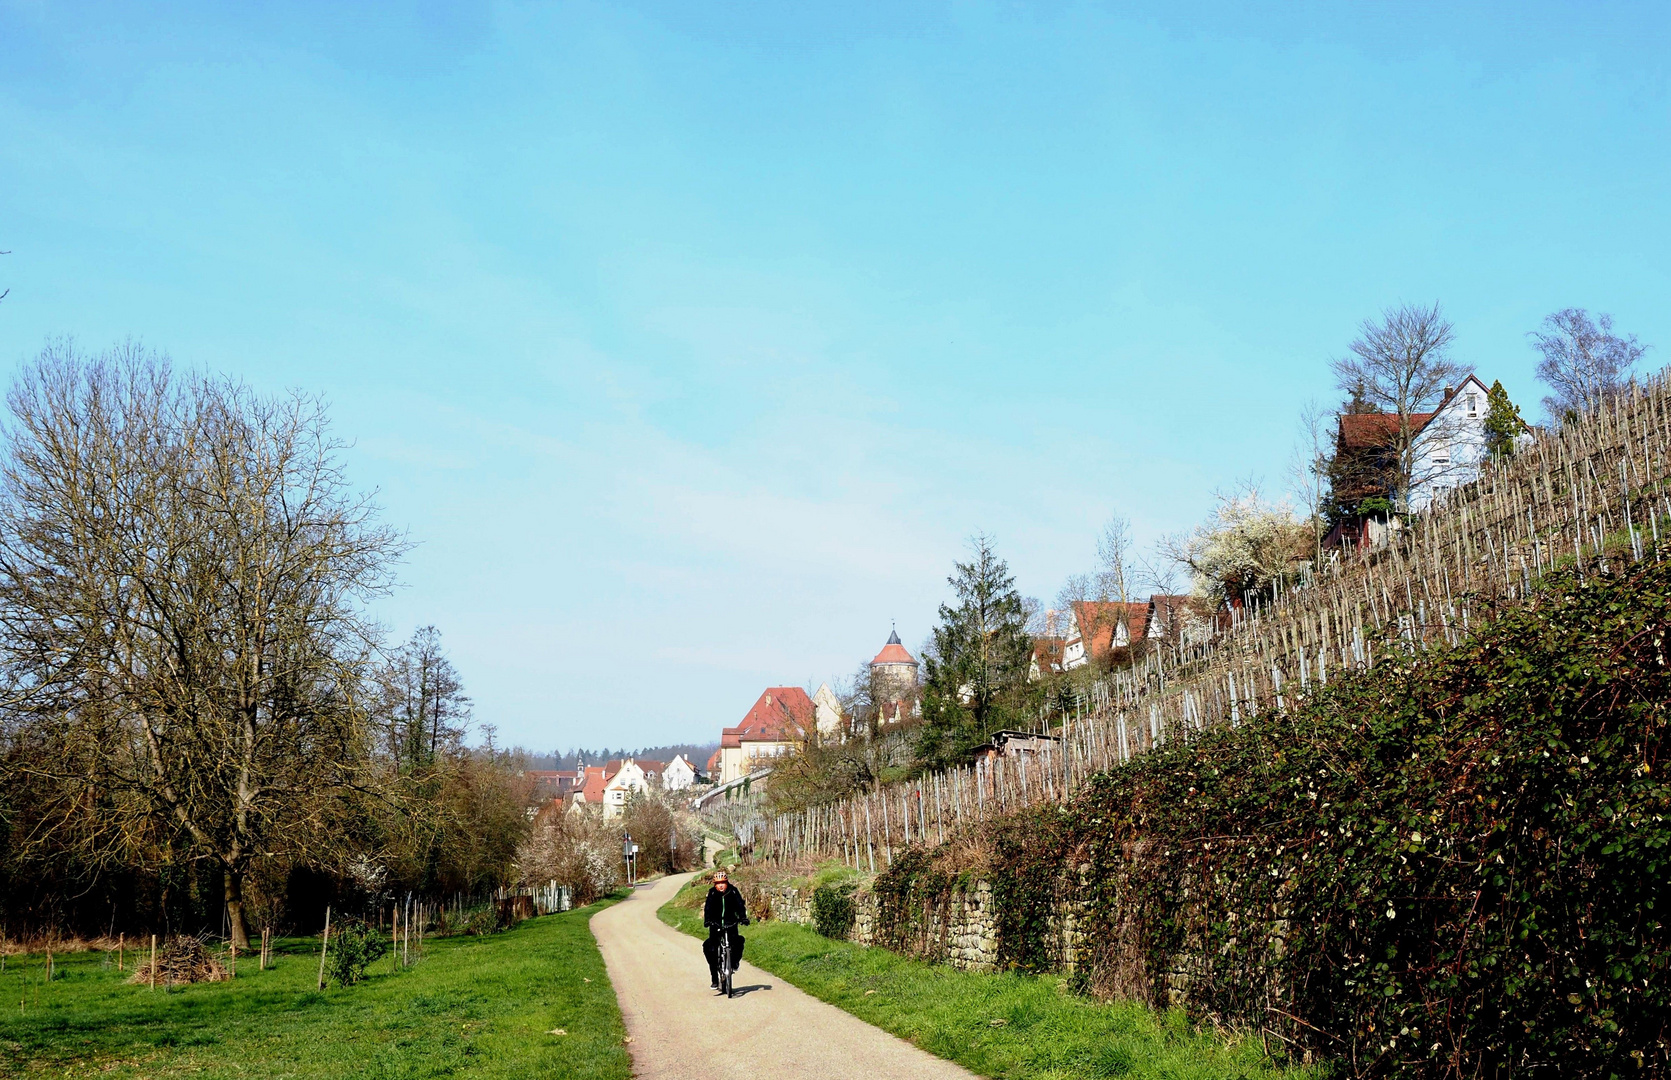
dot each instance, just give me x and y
(153, 963)
(324, 944)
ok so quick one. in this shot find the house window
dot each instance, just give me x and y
(1473, 404)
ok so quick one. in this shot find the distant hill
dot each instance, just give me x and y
(697, 753)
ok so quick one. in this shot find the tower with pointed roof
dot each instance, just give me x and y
(893, 680)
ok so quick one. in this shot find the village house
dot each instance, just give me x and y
(631, 777)
(1175, 618)
(1047, 658)
(552, 784)
(588, 792)
(1448, 447)
(828, 713)
(679, 774)
(1098, 627)
(778, 724)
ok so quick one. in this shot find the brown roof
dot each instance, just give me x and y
(1372, 431)
(1047, 653)
(713, 763)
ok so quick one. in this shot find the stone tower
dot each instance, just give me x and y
(893, 676)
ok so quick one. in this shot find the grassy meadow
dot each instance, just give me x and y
(1004, 1026)
(473, 1007)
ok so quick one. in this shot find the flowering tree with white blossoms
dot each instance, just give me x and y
(1244, 545)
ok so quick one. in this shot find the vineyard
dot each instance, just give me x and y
(1592, 492)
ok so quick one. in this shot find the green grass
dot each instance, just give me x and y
(1009, 1026)
(474, 1007)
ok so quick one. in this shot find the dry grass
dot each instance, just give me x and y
(182, 960)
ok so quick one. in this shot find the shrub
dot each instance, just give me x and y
(832, 909)
(355, 945)
(481, 921)
(1455, 864)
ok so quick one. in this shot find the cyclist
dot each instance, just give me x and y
(721, 913)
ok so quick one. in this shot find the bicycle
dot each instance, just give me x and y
(725, 933)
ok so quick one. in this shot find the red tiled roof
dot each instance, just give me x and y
(591, 790)
(1047, 652)
(893, 652)
(782, 714)
(1097, 620)
(713, 763)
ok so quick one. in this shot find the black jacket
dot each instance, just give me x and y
(724, 908)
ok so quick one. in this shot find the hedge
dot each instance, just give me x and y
(1452, 865)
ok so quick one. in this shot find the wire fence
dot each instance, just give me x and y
(1591, 493)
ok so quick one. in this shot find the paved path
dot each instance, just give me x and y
(681, 1030)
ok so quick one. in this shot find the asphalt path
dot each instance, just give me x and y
(682, 1030)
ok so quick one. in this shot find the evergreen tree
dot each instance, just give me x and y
(1502, 422)
(980, 655)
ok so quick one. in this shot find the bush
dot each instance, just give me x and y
(832, 909)
(1455, 864)
(481, 921)
(355, 945)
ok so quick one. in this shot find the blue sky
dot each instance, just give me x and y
(691, 341)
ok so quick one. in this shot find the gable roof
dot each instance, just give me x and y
(1047, 654)
(1373, 431)
(780, 714)
(597, 778)
(1096, 621)
(1168, 610)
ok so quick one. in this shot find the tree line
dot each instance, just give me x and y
(198, 715)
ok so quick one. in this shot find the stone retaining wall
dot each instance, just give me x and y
(961, 929)
(964, 934)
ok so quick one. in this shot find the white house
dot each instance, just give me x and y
(679, 774)
(632, 777)
(1098, 627)
(1450, 447)
(826, 708)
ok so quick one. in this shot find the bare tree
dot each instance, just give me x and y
(183, 569)
(1584, 362)
(1401, 367)
(1309, 467)
(423, 705)
(1114, 553)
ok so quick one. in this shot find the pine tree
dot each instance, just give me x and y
(1502, 422)
(981, 652)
